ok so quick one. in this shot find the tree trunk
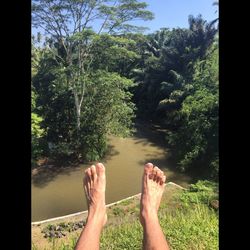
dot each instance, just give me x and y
(78, 116)
(78, 112)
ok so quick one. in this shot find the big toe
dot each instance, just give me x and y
(148, 168)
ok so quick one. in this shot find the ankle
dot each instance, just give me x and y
(148, 217)
(97, 216)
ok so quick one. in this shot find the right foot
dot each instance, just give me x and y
(152, 189)
(94, 186)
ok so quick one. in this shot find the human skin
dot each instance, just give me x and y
(153, 183)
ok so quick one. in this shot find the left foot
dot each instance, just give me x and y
(94, 186)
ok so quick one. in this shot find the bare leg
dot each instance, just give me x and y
(152, 189)
(94, 186)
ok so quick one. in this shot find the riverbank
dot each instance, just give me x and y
(187, 224)
(155, 132)
(52, 197)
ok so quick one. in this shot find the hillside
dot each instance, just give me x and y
(189, 219)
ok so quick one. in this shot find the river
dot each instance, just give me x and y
(58, 191)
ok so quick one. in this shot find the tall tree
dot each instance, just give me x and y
(37, 132)
(169, 66)
(69, 24)
(195, 141)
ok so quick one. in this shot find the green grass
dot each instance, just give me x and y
(126, 202)
(124, 236)
(195, 228)
(202, 192)
(117, 211)
(187, 221)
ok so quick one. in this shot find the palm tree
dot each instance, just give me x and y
(157, 41)
(216, 19)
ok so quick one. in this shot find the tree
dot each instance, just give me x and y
(37, 132)
(115, 53)
(107, 105)
(165, 82)
(195, 141)
(108, 111)
(69, 23)
(216, 3)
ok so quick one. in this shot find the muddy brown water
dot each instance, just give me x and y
(58, 192)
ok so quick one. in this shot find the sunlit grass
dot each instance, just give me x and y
(188, 224)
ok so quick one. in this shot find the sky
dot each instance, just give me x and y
(174, 13)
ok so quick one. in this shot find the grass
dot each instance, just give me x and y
(186, 219)
(195, 228)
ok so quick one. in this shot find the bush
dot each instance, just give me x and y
(201, 192)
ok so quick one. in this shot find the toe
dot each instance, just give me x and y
(85, 179)
(100, 169)
(86, 183)
(155, 173)
(163, 180)
(89, 175)
(93, 173)
(86, 186)
(88, 171)
(158, 175)
(148, 168)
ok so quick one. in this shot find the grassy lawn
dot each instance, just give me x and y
(186, 217)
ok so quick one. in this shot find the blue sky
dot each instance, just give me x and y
(174, 13)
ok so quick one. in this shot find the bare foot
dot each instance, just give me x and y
(94, 186)
(152, 189)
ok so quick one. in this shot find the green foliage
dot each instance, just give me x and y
(36, 131)
(169, 59)
(200, 192)
(80, 105)
(195, 141)
(35, 125)
(119, 53)
(107, 110)
(56, 105)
